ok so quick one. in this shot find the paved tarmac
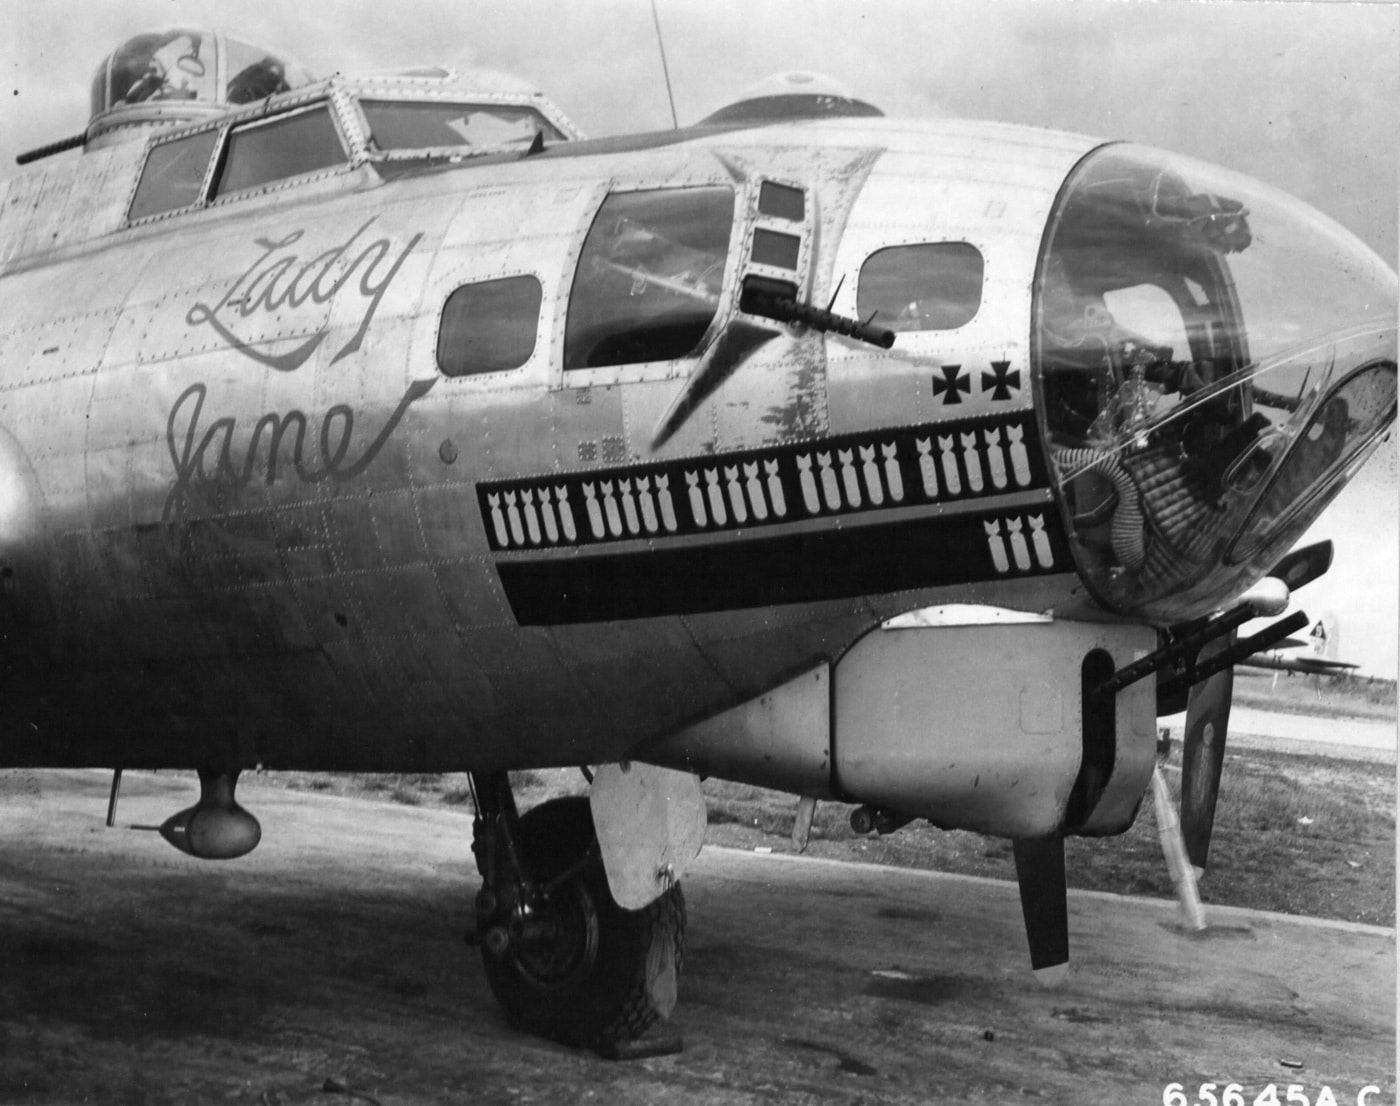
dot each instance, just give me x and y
(132, 974)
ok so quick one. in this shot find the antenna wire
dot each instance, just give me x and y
(660, 45)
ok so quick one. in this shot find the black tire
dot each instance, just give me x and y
(584, 980)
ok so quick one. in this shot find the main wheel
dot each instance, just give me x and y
(578, 968)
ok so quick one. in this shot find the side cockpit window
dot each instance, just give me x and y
(173, 175)
(489, 326)
(649, 277)
(290, 145)
(928, 286)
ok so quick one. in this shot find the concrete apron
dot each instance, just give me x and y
(334, 952)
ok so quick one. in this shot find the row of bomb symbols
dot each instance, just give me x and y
(617, 508)
(514, 515)
(980, 461)
(949, 466)
(644, 505)
(1007, 542)
(963, 451)
(849, 479)
(736, 491)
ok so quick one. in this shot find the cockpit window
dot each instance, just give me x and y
(173, 174)
(397, 125)
(286, 146)
(649, 278)
(489, 326)
(930, 286)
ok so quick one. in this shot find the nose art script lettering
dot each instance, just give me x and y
(211, 455)
(279, 279)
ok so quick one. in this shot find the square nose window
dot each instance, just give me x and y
(929, 286)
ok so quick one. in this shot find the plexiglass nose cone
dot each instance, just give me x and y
(1213, 360)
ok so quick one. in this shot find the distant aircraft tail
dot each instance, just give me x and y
(1325, 637)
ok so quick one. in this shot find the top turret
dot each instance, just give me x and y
(789, 97)
(179, 74)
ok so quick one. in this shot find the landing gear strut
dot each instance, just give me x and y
(562, 958)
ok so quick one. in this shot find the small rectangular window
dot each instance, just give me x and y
(397, 125)
(173, 174)
(781, 202)
(288, 146)
(489, 327)
(930, 286)
(772, 248)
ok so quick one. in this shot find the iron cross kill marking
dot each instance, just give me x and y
(954, 381)
(1002, 381)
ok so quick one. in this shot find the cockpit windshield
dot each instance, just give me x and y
(1211, 356)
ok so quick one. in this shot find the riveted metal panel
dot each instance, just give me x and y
(980, 727)
(993, 191)
(66, 203)
(781, 739)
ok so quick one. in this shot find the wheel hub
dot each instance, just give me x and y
(555, 935)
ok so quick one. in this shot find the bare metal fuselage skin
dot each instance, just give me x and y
(248, 520)
(243, 522)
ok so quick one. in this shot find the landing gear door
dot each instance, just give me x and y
(650, 823)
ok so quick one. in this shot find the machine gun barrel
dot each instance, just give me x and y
(1174, 651)
(72, 142)
(773, 304)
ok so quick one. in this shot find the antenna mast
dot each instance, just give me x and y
(664, 67)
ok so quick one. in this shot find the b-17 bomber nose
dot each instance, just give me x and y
(1214, 360)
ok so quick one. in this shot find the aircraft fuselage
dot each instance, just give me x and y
(273, 499)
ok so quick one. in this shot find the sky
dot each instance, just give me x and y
(1304, 96)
